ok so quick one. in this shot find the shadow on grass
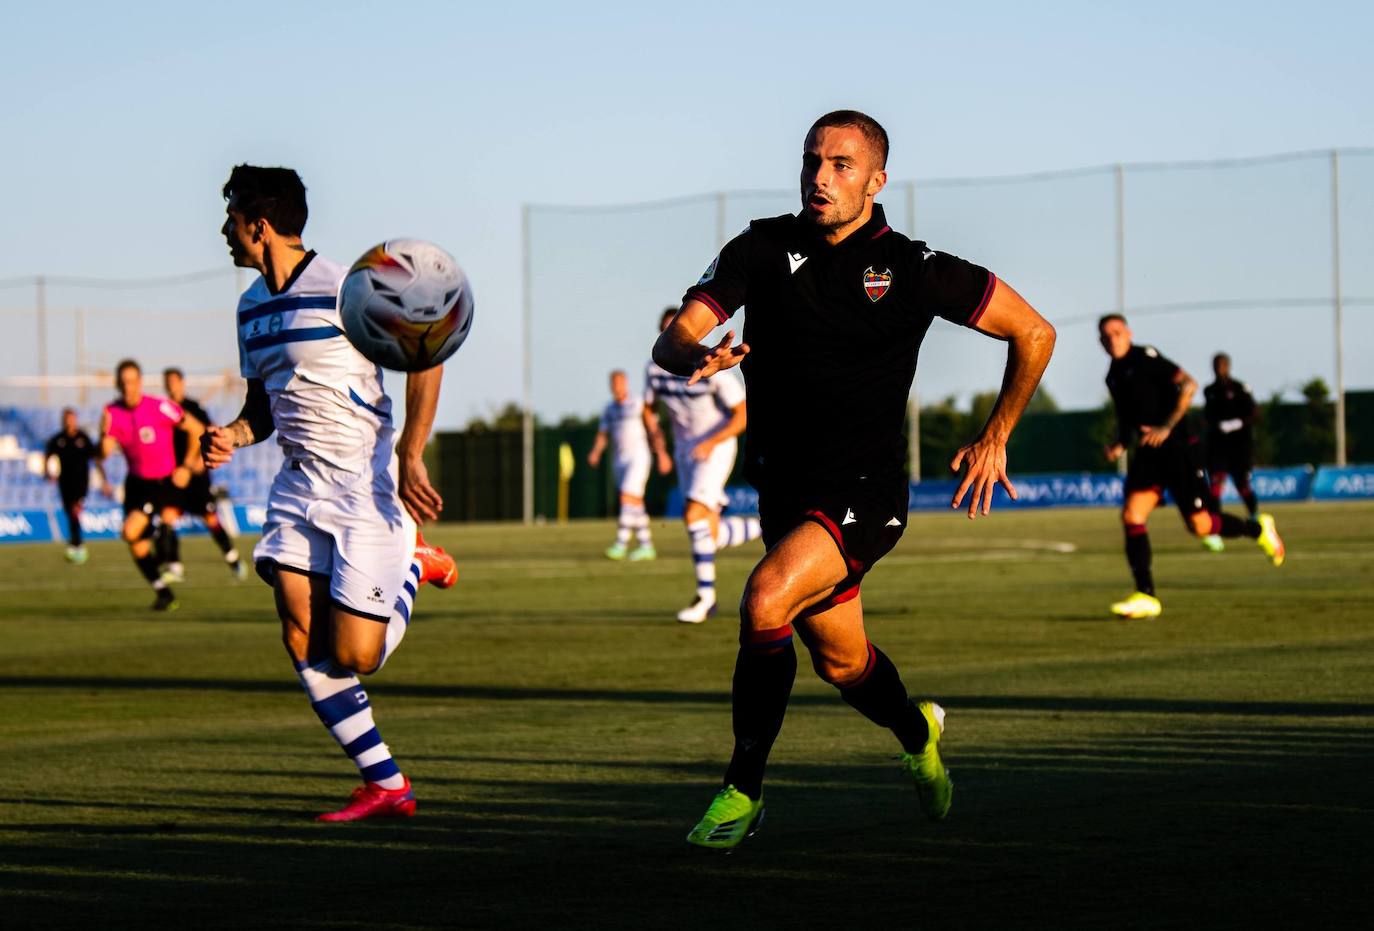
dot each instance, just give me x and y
(1029, 703)
(1235, 823)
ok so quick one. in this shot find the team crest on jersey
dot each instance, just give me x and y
(876, 283)
(710, 271)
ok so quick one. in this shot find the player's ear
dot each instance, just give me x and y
(877, 182)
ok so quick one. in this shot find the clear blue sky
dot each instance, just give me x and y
(439, 120)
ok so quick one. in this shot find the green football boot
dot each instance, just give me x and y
(616, 550)
(732, 817)
(1213, 543)
(643, 553)
(934, 788)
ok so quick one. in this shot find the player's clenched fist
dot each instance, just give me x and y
(216, 446)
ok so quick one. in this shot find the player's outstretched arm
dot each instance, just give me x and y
(422, 401)
(1030, 340)
(252, 425)
(679, 348)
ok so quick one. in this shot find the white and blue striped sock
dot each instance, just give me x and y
(703, 555)
(736, 530)
(633, 517)
(341, 703)
(399, 623)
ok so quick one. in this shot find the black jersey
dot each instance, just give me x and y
(1145, 388)
(833, 332)
(179, 437)
(74, 454)
(1229, 409)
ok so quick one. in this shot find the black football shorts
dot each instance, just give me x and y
(865, 518)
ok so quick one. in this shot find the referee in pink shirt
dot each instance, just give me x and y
(141, 425)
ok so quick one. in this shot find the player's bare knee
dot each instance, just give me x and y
(356, 658)
(1199, 524)
(839, 671)
(764, 605)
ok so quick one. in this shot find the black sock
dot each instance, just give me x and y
(148, 565)
(1139, 556)
(1247, 494)
(173, 544)
(880, 696)
(221, 538)
(764, 672)
(74, 526)
(1233, 526)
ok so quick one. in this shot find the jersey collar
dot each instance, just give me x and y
(295, 274)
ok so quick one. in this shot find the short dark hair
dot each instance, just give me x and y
(276, 195)
(872, 130)
(127, 364)
(68, 410)
(667, 312)
(173, 370)
(1219, 356)
(1108, 318)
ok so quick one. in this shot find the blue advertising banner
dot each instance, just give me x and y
(1291, 484)
(1336, 483)
(25, 526)
(43, 525)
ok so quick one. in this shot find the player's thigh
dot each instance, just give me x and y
(836, 640)
(1139, 504)
(632, 475)
(135, 526)
(373, 540)
(802, 570)
(302, 600)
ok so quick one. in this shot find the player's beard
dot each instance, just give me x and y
(842, 213)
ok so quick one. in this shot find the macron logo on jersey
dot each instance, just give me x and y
(795, 260)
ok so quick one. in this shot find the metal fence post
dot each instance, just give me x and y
(527, 371)
(1336, 303)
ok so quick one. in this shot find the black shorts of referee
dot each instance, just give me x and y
(149, 495)
(864, 516)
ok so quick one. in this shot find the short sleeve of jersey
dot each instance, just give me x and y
(605, 426)
(169, 409)
(649, 396)
(1160, 370)
(729, 390)
(950, 287)
(246, 368)
(723, 287)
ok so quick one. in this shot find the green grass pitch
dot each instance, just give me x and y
(1214, 768)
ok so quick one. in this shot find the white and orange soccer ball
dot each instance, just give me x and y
(406, 305)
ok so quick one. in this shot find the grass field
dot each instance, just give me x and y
(1214, 768)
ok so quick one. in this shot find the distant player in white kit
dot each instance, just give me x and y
(340, 545)
(707, 417)
(632, 427)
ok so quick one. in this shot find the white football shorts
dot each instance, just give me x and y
(361, 539)
(631, 475)
(704, 481)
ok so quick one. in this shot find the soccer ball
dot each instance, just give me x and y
(406, 305)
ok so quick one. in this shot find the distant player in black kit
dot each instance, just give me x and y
(838, 304)
(196, 498)
(1152, 396)
(75, 451)
(1230, 411)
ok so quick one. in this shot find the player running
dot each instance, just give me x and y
(142, 426)
(339, 546)
(1152, 396)
(632, 427)
(74, 451)
(197, 498)
(1229, 409)
(838, 304)
(708, 415)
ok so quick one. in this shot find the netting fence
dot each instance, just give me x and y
(1268, 259)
